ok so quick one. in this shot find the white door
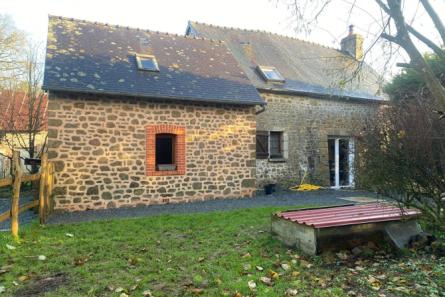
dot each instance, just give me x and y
(341, 161)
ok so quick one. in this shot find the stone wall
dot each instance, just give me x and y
(307, 122)
(99, 148)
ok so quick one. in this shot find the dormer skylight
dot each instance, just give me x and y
(147, 62)
(270, 73)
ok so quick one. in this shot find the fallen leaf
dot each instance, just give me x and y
(267, 281)
(295, 273)
(342, 255)
(197, 291)
(252, 285)
(305, 264)
(2, 289)
(375, 283)
(69, 235)
(402, 290)
(24, 278)
(10, 247)
(41, 257)
(200, 259)
(119, 289)
(147, 293)
(273, 274)
(285, 266)
(247, 255)
(291, 292)
(238, 294)
(247, 267)
(123, 295)
(259, 268)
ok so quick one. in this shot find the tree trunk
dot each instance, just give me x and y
(417, 61)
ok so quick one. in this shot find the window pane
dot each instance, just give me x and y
(148, 64)
(272, 75)
(275, 145)
(165, 149)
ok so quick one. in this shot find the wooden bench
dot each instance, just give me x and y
(312, 230)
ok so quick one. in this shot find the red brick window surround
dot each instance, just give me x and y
(155, 132)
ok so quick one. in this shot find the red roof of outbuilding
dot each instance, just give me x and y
(349, 215)
(15, 108)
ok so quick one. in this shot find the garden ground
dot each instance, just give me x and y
(228, 253)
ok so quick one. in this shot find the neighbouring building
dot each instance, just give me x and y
(23, 125)
(137, 117)
(318, 100)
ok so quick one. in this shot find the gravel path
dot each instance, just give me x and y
(324, 197)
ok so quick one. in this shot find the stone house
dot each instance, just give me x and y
(318, 99)
(137, 117)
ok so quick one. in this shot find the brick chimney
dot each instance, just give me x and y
(353, 44)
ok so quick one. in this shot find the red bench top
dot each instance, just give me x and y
(349, 215)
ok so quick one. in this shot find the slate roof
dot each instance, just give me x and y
(92, 57)
(308, 68)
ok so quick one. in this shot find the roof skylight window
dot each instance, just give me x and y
(270, 73)
(147, 63)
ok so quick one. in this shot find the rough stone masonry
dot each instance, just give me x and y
(98, 145)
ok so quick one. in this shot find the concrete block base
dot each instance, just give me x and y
(315, 240)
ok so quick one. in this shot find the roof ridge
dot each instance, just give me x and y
(134, 28)
(265, 32)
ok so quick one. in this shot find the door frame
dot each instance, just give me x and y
(351, 160)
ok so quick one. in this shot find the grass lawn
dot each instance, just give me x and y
(214, 254)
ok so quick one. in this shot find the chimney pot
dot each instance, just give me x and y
(353, 44)
(351, 29)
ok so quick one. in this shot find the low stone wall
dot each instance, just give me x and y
(308, 122)
(99, 149)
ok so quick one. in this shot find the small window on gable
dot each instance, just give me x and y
(270, 73)
(147, 63)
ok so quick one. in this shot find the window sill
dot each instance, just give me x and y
(166, 167)
(277, 160)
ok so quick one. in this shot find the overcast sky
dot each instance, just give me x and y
(172, 16)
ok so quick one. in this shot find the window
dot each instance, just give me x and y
(270, 73)
(165, 152)
(271, 145)
(146, 62)
(276, 145)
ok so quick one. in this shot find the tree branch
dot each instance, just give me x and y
(404, 65)
(440, 52)
(435, 18)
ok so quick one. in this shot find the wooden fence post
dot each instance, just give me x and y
(17, 181)
(43, 189)
(51, 186)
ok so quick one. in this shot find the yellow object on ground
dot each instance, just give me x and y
(305, 187)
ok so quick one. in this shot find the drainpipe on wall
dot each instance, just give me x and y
(263, 109)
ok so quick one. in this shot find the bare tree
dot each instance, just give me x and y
(24, 118)
(394, 28)
(12, 42)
